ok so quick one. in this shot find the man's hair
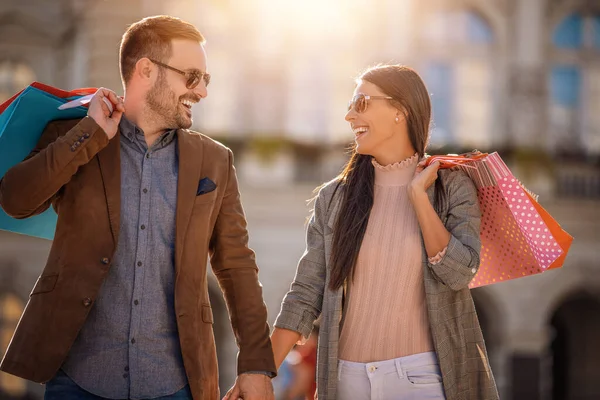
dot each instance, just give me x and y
(151, 37)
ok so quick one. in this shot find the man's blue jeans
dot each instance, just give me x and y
(61, 387)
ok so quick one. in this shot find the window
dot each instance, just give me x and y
(596, 31)
(439, 78)
(478, 30)
(569, 33)
(308, 91)
(458, 73)
(577, 31)
(565, 87)
(565, 84)
(574, 90)
(458, 27)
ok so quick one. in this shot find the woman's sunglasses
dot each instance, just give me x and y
(193, 77)
(360, 101)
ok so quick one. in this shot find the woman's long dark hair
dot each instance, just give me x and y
(357, 179)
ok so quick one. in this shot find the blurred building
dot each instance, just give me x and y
(518, 76)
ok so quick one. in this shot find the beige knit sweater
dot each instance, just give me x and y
(386, 314)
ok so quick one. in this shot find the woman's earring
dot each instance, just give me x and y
(396, 119)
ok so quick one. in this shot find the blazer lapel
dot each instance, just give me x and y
(333, 207)
(109, 159)
(190, 167)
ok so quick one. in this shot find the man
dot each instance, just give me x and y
(121, 309)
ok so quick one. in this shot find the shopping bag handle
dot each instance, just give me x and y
(63, 93)
(84, 101)
(452, 160)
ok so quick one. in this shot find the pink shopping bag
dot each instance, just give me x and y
(519, 238)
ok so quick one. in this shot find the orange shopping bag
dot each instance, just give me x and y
(562, 237)
(518, 236)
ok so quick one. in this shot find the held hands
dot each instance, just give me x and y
(251, 387)
(424, 177)
(99, 111)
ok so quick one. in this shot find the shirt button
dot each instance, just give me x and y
(105, 260)
(132, 341)
(148, 155)
(139, 263)
(125, 375)
(127, 368)
(473, 270)
(136, 302)
(145, 190)
(87, 302)
(143, 227)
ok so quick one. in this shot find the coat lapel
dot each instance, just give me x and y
(333, 207)
(109, 159)
(190, 167)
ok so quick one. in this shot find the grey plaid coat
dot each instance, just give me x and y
(457, 336)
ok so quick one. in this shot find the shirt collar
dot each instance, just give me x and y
(132, 132)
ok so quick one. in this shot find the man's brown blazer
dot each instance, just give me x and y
(76, 169)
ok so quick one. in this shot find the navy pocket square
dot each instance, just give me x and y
(205, 186)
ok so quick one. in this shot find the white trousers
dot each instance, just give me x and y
(415, 377)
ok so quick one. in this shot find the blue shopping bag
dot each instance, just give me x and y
(22, 121)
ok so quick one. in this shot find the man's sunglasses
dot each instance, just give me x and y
(360, 101)
(193, 77)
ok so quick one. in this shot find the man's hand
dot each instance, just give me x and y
(99, 111)
(251, 387)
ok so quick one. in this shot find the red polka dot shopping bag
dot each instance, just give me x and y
(518, 236)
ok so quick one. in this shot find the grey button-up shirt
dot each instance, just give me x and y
(129, 345)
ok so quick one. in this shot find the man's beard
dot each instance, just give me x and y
(164, 106)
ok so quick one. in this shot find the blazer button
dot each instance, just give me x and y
(105, 260)
(87, 302)
(86, 135)
(73, 148)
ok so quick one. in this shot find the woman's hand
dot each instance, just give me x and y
(424, 177)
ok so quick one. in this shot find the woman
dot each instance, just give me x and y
(389, 258)
(388, 261)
